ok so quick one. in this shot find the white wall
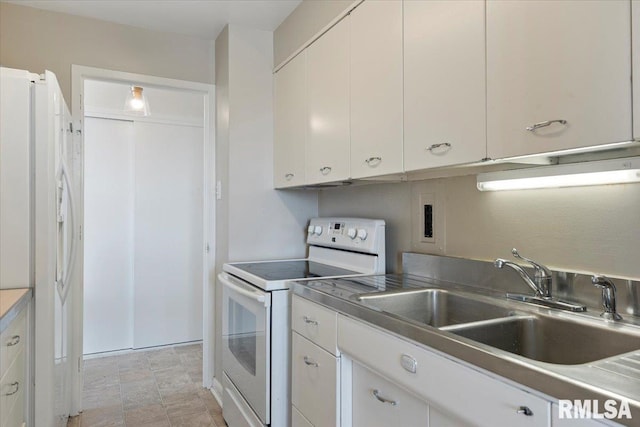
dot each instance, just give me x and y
(253, 220)
(36, 39)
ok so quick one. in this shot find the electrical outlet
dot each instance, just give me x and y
(428, 217)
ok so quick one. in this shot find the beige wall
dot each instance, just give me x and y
(253, 220)
(590, 229)
(36, 40)
(310, 17)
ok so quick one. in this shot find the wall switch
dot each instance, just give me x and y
(427, 220)
(218, 190)
(428, 217)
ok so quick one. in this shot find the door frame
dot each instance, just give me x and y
(79, 74)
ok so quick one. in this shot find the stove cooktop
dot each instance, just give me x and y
(291, 270)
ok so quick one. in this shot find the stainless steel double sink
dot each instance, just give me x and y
(512, 327)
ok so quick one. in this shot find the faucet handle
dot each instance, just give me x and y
(540, 269)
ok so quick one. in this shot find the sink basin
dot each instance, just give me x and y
(551, 340)
(434, 307)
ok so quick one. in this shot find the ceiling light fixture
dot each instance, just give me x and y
(137, 103)
(616, 171)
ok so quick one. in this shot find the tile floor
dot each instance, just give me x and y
(154, 388)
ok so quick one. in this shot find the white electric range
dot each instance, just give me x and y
(256, 318)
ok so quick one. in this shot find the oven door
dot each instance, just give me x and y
(246, 341)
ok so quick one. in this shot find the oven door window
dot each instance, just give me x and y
(242, 335)
(246, 342)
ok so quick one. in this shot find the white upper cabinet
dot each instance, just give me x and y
(327, 156)
(290, 123)
(635, 54)
(558, 75)
(376, 88)
(444, 83)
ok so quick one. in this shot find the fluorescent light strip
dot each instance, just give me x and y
(570, 175)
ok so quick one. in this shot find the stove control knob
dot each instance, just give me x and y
(317, 230)
(362, 234)
(351, 233)
(310, 229)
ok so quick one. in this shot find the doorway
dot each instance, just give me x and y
(144, 236)
(147, 215)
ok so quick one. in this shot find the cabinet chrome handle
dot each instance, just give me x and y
(545, 124)
(376, 394)
(14, 341)
(288, 176)
(16, 386)
(309, 362)
(442, 144)
(310, 321)
(525, 411)
(373, 161)
(325, 170)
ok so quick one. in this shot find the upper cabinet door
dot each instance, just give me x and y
(376, 88)
(290, 123)
(558, 75)
(444, 83)
(635, 54)
(328, 106)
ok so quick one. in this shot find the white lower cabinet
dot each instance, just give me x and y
(314, 383)
(458, 394)
(378, 402)
(13, 372)
(298, 420)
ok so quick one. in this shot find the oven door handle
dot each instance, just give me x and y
(236, 288)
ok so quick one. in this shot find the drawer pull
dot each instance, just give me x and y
(288, 176)
(326, 170)
(310, 321)
(15, 340)
(310, 362)
(442, 144)
(16, 387)
(376, 394)
(525, 411)
(373, 161)
(545, 124)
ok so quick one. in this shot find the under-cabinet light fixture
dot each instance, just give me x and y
(136, 102)
(616, 171)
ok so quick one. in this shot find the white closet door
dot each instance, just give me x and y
(108, 234)
(169, 239)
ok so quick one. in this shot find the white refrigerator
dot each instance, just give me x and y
(40, 174)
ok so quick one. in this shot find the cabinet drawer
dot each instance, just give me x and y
(16, 416)
(298, 420)
(12, 341)
(314, 382)
(12, 386)
(315, 323)
(378, 402)
(442, 382)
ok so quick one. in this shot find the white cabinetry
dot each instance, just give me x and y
(444, 83)
(315, 371)
(563, 65)
(376, 88)
(290, 123)
(378, 402)
(327, 156)
(13, 372)
(458, 394)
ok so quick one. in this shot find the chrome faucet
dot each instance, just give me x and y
(608, 297)
(541, 282)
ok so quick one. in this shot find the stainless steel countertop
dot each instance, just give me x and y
(612, 378)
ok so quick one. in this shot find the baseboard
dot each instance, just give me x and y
(217, 391)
